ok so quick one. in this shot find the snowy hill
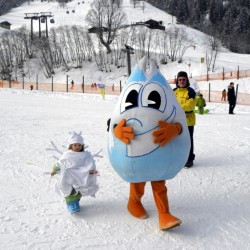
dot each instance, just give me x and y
(74, 14)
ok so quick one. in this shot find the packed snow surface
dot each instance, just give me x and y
(211, 198)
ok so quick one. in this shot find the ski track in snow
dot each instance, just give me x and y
(212, 198)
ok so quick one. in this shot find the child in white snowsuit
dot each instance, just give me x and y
(78, 173)
(200, 103)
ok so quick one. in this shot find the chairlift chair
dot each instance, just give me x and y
(52, 20)
(43, 20)
(73, 11)
(67, 12)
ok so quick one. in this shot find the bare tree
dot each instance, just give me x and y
(143, 6)
(212, 50)
(178, 43)
(24, 33)
(117, 46)
(141, 38)
(46, 56)
(107, 17)
(57, 48)
(163, 48)
(81, 44)
(15, 49)
(88, 46)
(152, 37)
(184, 43)
(134, 2)
(6, 65)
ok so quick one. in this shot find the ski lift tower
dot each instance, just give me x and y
(31, 16)
(129, 50)
(42, 18)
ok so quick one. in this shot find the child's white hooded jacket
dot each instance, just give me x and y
(74, 171)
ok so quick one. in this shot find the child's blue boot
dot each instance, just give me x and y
(77, 205)
(73, 206)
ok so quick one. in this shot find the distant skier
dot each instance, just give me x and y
(72, 84)
(223, 95)
(78, 173)
(231, 97)
(200, 103)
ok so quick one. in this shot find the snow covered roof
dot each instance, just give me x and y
(5, 24)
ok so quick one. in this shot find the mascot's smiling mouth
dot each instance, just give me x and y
(143, 143)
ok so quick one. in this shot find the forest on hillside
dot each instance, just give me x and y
(5, 6)
(228, 21)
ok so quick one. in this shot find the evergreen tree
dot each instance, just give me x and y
(203, 6)
(182, 11)
(242, 22)
(172, 7)
(216, 11)
(195, 17)
(242, 3)
(227, 21)
(5, 6)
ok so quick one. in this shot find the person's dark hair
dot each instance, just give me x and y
(70, 147)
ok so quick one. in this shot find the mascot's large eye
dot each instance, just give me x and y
(130, 97)
(154, 100)
(153, 96)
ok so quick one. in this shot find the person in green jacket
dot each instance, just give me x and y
(201, 103)
(186, 97)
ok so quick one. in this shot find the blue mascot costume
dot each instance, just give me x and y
(148, 139)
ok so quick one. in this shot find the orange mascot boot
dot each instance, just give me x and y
(135, 206)
(166, 220)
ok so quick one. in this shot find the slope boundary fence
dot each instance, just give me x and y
(209, 95)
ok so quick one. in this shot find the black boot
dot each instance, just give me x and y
(189, 164)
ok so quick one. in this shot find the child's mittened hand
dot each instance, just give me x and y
(123, 132)
(166, 132)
